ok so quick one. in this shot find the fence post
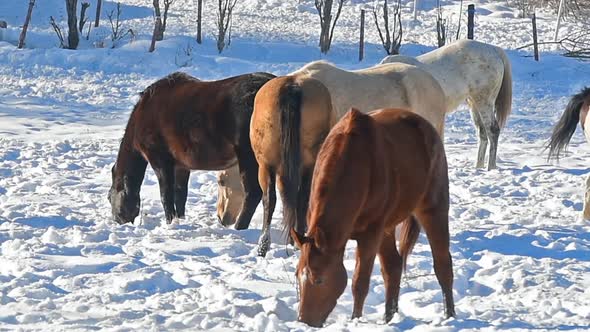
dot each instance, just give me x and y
(23, 33)
(199, 19)
(470, 24)
(362, 37)
(535, 43)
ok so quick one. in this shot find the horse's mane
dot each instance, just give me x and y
(583, 94)
(316, 65)
(167, 81)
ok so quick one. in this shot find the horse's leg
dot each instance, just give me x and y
(252, 192)
(303, 201)
(492, 128)
(586, 213)
(391, 269)
(181, 176)
(435, 222)
(482, 145)
(365, 258)
(269, 198)
(163, 166)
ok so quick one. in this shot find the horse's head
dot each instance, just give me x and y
(231, 196)
(124, 196)
(321, 277)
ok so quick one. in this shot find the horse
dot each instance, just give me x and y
(394, 85)
(292, 117)
(575, 112)
(396, 167)
(180, 124)
(475, 72)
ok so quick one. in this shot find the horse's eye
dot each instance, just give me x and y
(318, 281)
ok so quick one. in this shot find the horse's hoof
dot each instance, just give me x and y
(262, 250)
(389, 313)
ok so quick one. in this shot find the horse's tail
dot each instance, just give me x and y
(504, 97)
(566, 126)
(290, 115)
(409, 235)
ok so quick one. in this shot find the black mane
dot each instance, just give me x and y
(167, 81)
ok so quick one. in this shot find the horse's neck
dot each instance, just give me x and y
(130, 163)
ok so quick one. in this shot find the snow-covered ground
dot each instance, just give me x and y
(520, 249)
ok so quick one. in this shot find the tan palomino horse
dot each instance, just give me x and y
(394, 85)
(292, 117)
(475, 72)
(394, 162)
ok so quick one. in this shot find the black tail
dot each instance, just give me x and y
(290, 108)
(565, 128)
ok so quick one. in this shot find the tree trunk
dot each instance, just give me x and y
(159, 33)
(85, 6)
(325, 29)
(23, 34)
(73, 38)
(98, 7)
(157, 23)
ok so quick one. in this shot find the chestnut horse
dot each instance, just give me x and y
(373, 172)
(180, 124)
(576, 112)
(292, 117)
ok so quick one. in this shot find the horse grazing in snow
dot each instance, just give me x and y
(393, 85)
(181, 124)
(576, 112)
(475, 72)
(373, 172)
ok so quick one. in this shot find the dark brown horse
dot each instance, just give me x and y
(180, 124)
(292, 117)
(575, 112)
(373, 172)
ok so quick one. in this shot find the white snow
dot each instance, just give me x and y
(521, 251)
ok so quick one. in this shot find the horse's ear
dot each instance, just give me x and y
(299, 239)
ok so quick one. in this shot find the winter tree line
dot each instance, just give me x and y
(386, 14)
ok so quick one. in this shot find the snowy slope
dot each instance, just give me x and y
(521, 252)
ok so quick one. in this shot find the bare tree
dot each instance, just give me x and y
(58, 32)
(327, 24)
(441, 26)
(157, 23)
(224, 20)
(83, 18)
(23, 34)
(98, 7)
(459, 20)
(392, 40)
(73, 38)
(158, 33)
(117, 32)
(167, 4)
(163, 19)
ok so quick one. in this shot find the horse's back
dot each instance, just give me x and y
(467, 69)
(316, 116)
(413, 153)
(408, 135)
